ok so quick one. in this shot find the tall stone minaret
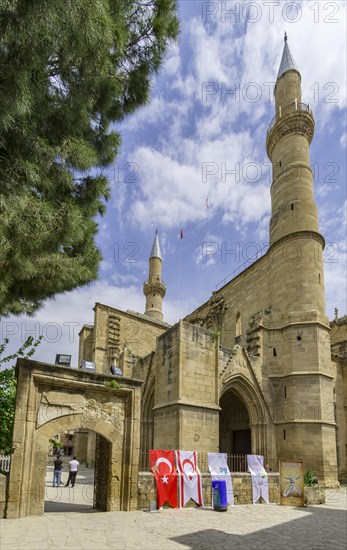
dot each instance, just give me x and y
(154, 289)
(294, 233)
(299, 356)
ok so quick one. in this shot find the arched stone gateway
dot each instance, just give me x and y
(243, 419)
(53, 399)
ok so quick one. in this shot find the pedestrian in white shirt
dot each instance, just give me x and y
(73, 469)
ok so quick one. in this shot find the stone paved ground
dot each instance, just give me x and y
(70, 522)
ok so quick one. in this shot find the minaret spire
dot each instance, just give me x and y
(287, 61)
(155, 253)
(154, 289)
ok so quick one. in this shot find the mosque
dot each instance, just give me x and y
(256, 369)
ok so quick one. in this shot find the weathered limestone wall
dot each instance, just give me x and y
(341, 417)
(3, 481)
(115, 331)
(81, 445)
(186, 410)
(242, 487)
(247, 294)
(86, 344)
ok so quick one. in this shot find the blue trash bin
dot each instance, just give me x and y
(219, 495)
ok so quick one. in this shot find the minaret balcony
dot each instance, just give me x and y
(295, 117)
(154, 287)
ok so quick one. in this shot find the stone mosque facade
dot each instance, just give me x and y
(257, 368)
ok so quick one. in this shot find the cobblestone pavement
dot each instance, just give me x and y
(245, 526)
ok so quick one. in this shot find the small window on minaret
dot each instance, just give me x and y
(280, 164)
(284, 434)
(319, 277)
(285, 392)
(274, 352)
(292, 206)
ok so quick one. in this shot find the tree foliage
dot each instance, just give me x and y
(8, 388)
(69, 70)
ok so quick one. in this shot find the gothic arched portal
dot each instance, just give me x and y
(242, 422)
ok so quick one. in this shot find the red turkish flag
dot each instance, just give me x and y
(163, 467)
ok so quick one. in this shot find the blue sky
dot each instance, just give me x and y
(195, 159)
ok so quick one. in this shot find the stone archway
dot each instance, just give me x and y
(242, 420)
(52, 399)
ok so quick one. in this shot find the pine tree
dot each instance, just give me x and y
(69, 70)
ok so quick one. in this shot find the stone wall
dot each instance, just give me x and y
(116, 330)
(186, 394)
(242, 487)
(3, 481)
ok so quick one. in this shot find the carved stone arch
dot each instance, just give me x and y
(249, 395)
(242, 408)
(52, 400)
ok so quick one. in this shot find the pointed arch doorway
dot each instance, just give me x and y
(234, 430)
(242, 422)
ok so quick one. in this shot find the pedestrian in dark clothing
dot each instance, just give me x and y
(58, 467)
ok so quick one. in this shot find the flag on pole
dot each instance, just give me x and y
(162, 465)
(218, 466)
(190, 484)
(181, 234)
(260, 482)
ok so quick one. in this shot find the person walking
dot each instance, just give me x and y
(58, 467)
(73, 469)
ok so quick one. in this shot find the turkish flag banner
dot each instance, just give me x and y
(190, 478)
(162, 465)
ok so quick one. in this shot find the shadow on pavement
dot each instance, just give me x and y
(68, 507)
(321, 529)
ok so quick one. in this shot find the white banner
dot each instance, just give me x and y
(218, 466)
(260, 482)
(190, 484)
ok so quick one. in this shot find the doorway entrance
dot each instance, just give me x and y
(234, 431)
(90, 491)
(55, 400)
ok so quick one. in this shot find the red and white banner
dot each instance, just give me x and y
(190, 483)
(162, 464)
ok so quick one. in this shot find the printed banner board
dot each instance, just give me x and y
(260, 481)
(218, 466)
(291, 483)
(190, 484)
(163, 468)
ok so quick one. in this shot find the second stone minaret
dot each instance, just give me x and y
(154, 289)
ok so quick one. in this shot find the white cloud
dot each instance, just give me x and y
(209, 251)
